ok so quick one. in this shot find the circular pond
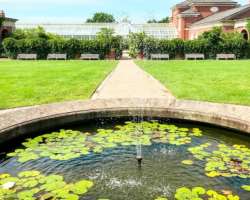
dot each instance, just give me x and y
(100, 160)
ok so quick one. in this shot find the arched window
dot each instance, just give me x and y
(4, 34)
(245, 34)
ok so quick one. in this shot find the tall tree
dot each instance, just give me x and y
(101, 17)
(164, 20)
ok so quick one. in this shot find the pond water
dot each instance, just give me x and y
(103, 154)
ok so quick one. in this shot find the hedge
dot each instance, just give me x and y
(177, 48)
(42, 47)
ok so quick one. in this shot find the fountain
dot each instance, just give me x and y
(96, 160)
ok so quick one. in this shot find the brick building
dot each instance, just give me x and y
(8, 25)
(193, 17)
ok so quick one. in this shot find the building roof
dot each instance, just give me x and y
(158, 30)
(190, 12)
(221, 16)
(190, 2)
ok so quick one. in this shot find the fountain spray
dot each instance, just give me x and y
(139, 157)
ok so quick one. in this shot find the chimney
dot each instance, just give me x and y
(2, 14)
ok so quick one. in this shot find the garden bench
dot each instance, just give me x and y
(195, 56)
(159, 56)
(27, 56)
(225, 56)
(57, 56)
(90, 57)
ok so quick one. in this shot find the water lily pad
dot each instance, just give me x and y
(200, 193)
(187, 162)
(223, 160)
(31, 184)
(246, 187)
(161, 198)
(67, 144)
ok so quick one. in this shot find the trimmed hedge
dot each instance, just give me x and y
(43, 47)
(210, 43)
(177, 48)
(41, 43)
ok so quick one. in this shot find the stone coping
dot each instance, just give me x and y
(21, 121)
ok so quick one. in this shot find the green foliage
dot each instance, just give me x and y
(164, 20)
(1, 21)
(246, 187)
(10, 46)
(31, 33)
(172, 47)
(209, 43)
(101, 17)
(195, 46)
(39, 42)
(31, 185)
(137, 43)
(66, 145)
(199, 193)
(109, 42)
(225, 160)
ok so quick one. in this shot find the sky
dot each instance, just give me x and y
(79, 10)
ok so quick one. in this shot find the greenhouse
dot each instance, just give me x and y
(89, 30)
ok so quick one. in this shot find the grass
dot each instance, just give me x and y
(213, 81)
(26, 83)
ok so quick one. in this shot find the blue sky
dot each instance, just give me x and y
(79, 10)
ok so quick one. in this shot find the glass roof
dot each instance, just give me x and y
(166, 31)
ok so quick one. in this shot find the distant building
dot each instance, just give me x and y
(8, 25)
(90, 30)
(193, 17)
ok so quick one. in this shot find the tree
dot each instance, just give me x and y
(101, 18)
(152, 21)
(164, 20)
(1, 21)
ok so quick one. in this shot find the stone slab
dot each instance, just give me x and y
(18, 122)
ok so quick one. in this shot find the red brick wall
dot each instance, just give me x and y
(184, 23)
(175, 13)
(205, 10)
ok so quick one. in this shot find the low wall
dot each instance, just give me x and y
(22, 121)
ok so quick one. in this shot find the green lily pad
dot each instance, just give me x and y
(67, 144)
(31, 184)
(187, 162)
(223, 160)
(246, 187)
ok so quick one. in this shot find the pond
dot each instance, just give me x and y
(97, 160)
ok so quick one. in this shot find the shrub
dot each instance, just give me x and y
(137, 43)
(39, 42)
(172, 47)
(10, 47)
(196, 46)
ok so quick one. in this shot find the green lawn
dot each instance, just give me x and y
(25, 83)
(214, 81)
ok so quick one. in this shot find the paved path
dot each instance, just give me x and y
(130, 81)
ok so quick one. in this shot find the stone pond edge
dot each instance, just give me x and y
(22, 121)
